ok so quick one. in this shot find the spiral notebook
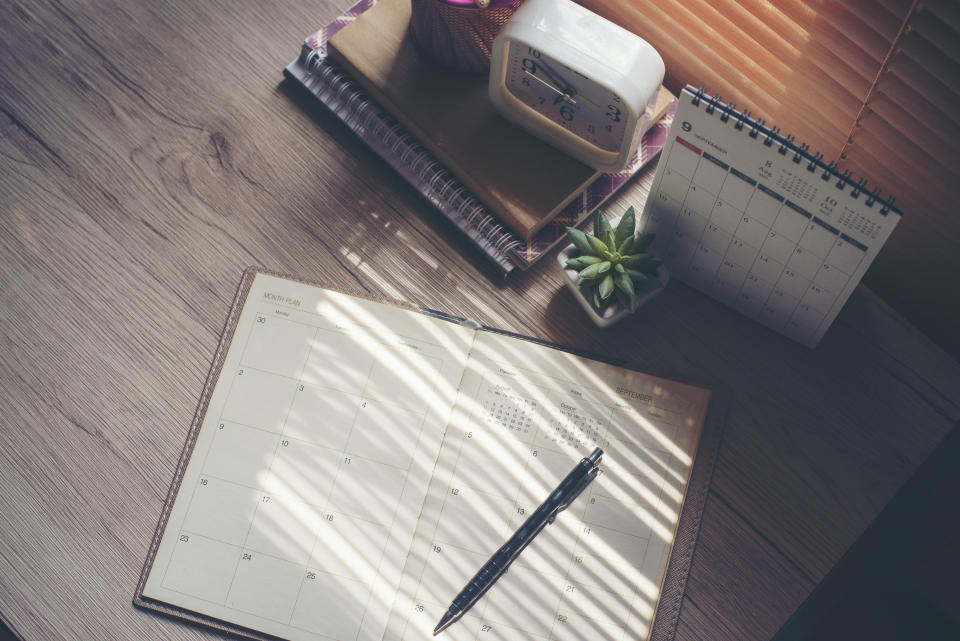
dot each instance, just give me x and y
(751, 217)
(354, 460)
(348, 101)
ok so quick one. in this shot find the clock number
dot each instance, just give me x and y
(533, 52)
(529, 66)
(567, 112)
(614, 113)
(525, 82)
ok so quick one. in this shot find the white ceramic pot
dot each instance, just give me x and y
(614, 312)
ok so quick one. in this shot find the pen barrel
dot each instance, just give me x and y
(568, 489)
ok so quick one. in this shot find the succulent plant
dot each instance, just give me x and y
(612, 264)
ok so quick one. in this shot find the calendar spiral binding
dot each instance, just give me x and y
(349, 102)
(787, 144)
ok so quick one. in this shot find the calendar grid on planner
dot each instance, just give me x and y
(349, 459)
(293, 568)
(563, 426)
(749, 217)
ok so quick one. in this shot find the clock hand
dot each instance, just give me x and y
(579, 96)
(557, 79)
(567, 88)
(550, 86)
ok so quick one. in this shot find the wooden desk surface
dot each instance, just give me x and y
(149, 153)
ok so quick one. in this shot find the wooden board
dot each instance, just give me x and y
(147, 155)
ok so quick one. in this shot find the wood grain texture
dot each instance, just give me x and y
(149, 153)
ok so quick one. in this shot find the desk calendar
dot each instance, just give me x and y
(353, 462)
(747, 216)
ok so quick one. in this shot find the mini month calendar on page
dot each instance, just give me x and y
(751, 218)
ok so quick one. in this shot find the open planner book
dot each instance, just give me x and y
(353, 462)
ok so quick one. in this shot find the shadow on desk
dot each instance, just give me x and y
(901, 579)
(6, 634)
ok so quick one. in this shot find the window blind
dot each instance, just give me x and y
(872, 84)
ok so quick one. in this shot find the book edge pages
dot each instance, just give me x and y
(667, 611)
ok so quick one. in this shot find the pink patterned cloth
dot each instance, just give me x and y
(458, 34)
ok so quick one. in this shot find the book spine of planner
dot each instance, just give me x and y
(786, 145)
(342, 95)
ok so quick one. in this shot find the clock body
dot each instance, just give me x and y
(576, 80)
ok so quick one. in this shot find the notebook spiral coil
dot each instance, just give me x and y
(786, 144)
(380, 130)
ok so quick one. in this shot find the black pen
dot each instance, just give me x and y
(561, 498)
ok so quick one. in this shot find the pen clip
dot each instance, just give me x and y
(574, 493)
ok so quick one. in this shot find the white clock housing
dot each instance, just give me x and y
(576, 80)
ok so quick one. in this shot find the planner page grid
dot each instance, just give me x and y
(353, 463)
(296, 511)
(526, 415)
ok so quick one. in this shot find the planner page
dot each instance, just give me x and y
(525, 416)
(297, 509)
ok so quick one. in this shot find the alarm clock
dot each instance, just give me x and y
(575, 80)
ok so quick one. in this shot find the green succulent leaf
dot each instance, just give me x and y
(626, 246)
(588, 273)
(625, 284)
(595, 270)
(625, 227)
(600, 225)
(610, 241)
(579, 262)
(643, 243)
(597, 301)
(619, 269)
(625, 287)
(606, 287)
(597, 246)
(641, 263)
(579, 240)
(622, 299)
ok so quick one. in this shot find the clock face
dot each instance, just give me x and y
(565, 96)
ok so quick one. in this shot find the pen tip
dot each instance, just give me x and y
(446, 620)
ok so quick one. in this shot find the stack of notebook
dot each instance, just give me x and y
(511, 193)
